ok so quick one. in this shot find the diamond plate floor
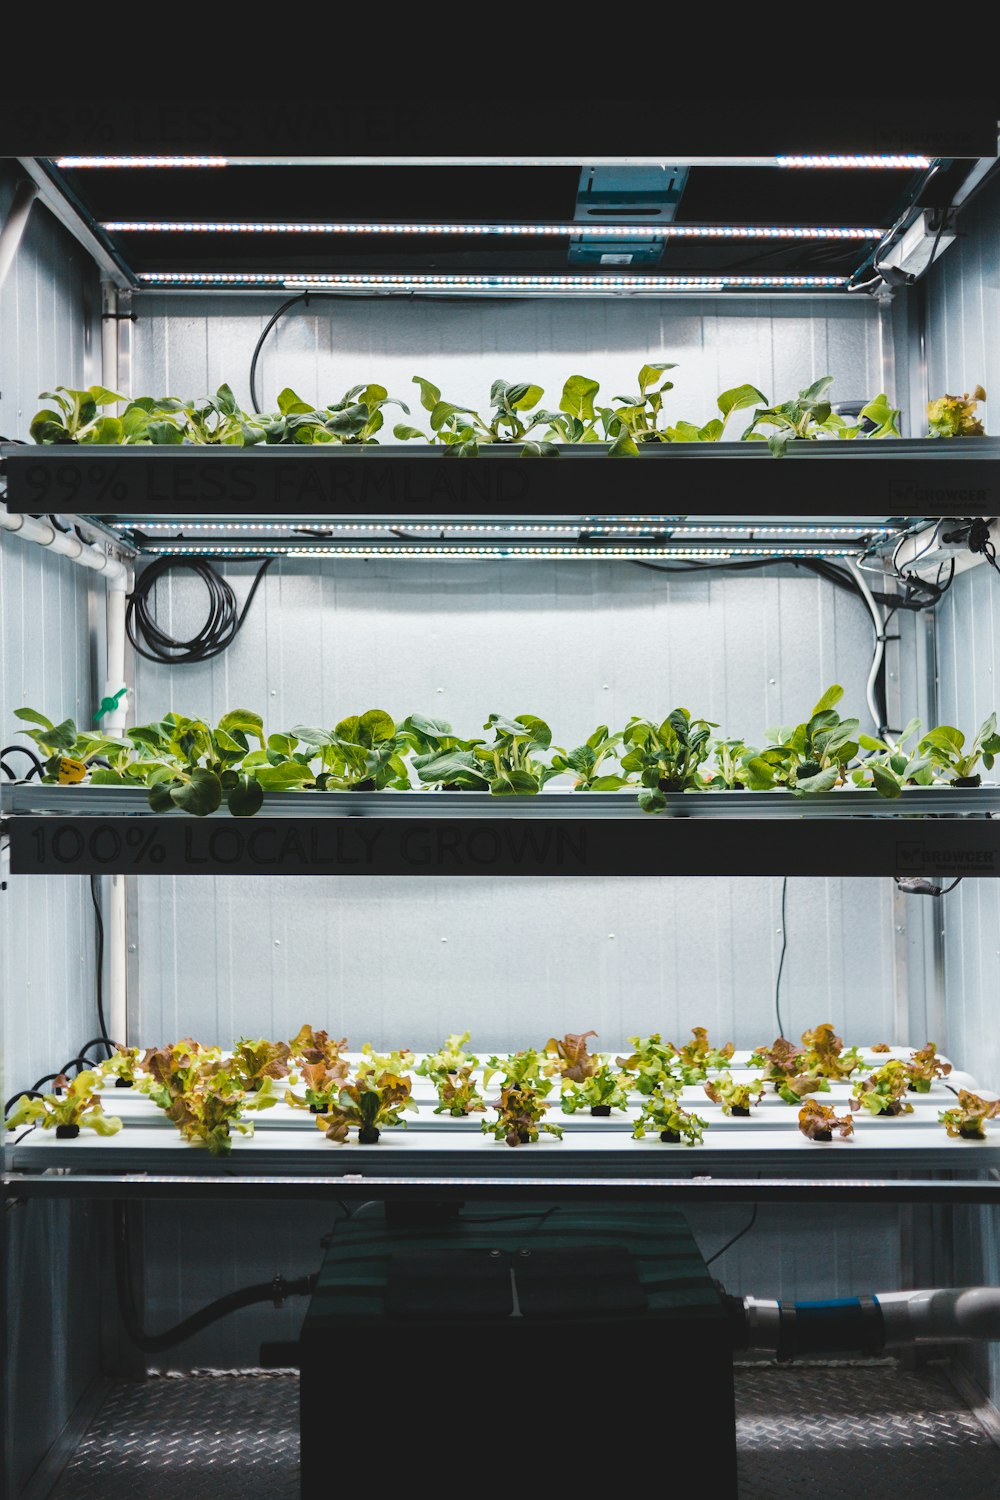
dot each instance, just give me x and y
(822, 1431)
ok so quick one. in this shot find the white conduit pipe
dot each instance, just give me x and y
(66, 544)
(946, 1315)
(116, 574)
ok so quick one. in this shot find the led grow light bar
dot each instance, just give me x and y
(652, 230)
(448, 284)
(591, 525)
(899, 161)
(429, 549)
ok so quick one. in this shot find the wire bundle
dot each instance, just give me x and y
(221, 627)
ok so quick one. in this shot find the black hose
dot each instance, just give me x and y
(100, 1041)
(152, 1343)
(224, 622)
(254, 398)
(37, 766)
(99, 967)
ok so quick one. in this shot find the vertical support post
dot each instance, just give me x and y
(12, 230)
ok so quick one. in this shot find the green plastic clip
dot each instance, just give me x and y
(108, 705)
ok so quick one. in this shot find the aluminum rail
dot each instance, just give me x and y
(807, 1190)
(35, 798)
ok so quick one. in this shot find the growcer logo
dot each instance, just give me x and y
(910, 498)
(910, 856)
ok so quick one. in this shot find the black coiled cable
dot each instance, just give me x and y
(224, 622)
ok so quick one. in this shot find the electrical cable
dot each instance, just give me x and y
(875, 708)
(981, 543)
(36, 765)
(738, 1236)
(918, 886)
(299, 297)
(781, 960)
(151, 1343)
(99, 966)
(220, 629)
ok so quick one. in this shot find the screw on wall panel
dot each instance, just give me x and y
(133, 947)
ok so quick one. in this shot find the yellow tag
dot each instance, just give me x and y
(70, 770)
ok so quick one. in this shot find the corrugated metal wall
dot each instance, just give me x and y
(406, 961)
(48, 316)
(963, 348)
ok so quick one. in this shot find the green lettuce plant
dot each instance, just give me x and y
(817, 1122)
(730, 765)
(890, 769)
(310, 1046)
(738, 399)
(737, 1097)
(187, 764)
(121, 1066)
(811, 757)
(955, 416)
(374, 1102)
(201, 1095)
(967, 1119)
(569, 1057)
(462, 431)
(323, 1081)
(398, 1062)
(784, 1065)
(253, 1062)
(825, 1054)
(600, 1092)
(924, 1067)
(585, 762)
(354, 419)
(74, 1107)
(76, 417)
(650, 1064)
(520, 1118)
(882, 1093)
(527, 1067)
(946, 748)
(810, 416)
(695, 1059)
(70, 752)
(458, 1093)
(660, 1113)
(363, 753)
(668, 756)
(511, 760)
(635, 419)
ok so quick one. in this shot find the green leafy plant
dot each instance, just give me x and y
(636, 419)
(363, 753)
(600, 1092)
(439, 757)
(451, 1071)
(568, 1057)
(72, 1106)
(372, 1103)
(731, 765)
(577, 418)
(69, 752)
(449, 1058)
(309, 1046)
(76, 417)
(696, 1058)
(217, 420)
(398, 1062)
(812, 757)
(967, 1119)
(121, 1066)
(458, 1093)
(924, 1067)
(735, 1097)
(200, 1095)
(354, 419)
(254, 1061)
(817, 1122)
(667, 756)
(463, 431)
(188, 765)
(515, 1069)
(520, 1116)
(955, 416)
(891, 768)
(945, 746)
(584, 763)
(650, 1064)
(738, 399)
(785, 1066)
(511, 760)
(826, 1056)
(810, 416)
(662, 1114)
(323, 1081)
(882, 1092)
